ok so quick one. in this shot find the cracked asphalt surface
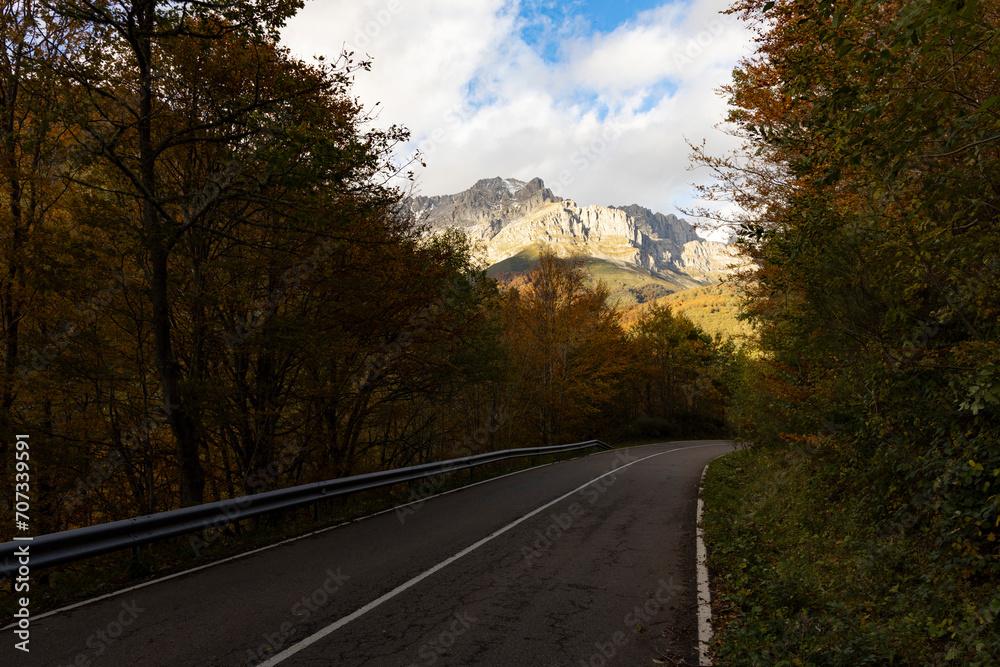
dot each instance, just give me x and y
(603, 577)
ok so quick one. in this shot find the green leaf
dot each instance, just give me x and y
(990, 103)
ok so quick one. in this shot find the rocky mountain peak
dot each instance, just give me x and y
(666, 226)
(509, 216)
(491, 201)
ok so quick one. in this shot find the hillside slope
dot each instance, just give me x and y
(714, 308)
(629, 285)
(509, 217)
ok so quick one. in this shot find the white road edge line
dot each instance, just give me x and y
(84, 603)
(704, 591)
(312, 639)
(144, 584)
(168, 577)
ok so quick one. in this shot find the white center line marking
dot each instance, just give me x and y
(312, 639)
(245, 554)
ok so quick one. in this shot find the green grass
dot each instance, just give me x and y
(714, 308)
(804, 574)
(520, 263)
(631, 286)
(628, 286)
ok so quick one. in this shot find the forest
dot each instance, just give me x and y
(210, 285)
(864, 529)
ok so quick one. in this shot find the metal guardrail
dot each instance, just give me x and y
(80, 543)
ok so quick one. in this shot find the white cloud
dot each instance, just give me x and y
(604, 124)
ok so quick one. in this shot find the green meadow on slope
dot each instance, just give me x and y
(627, 286)
(714, 308)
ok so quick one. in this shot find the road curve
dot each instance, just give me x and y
(585, 562)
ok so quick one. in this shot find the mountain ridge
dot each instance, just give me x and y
(508, 216)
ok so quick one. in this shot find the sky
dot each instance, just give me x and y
(597, 98)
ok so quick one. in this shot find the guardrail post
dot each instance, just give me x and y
(137, 566)
(117, 536)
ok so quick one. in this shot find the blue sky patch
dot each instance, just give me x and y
(545, 22)
(655, 95)
(605, 16)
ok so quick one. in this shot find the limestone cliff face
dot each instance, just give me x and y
(665, 226)
(508, 216)
(491, 204)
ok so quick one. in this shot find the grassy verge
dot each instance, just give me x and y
(805, 574)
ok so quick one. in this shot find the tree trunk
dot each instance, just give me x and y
(191, 476)
(191, 482)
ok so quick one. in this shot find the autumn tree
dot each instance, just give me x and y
(159, 108)
(39, 278)
(314, 328)
(570, 344)
(676, 370)
(872, 142)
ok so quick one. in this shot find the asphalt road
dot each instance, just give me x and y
(585, 562)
